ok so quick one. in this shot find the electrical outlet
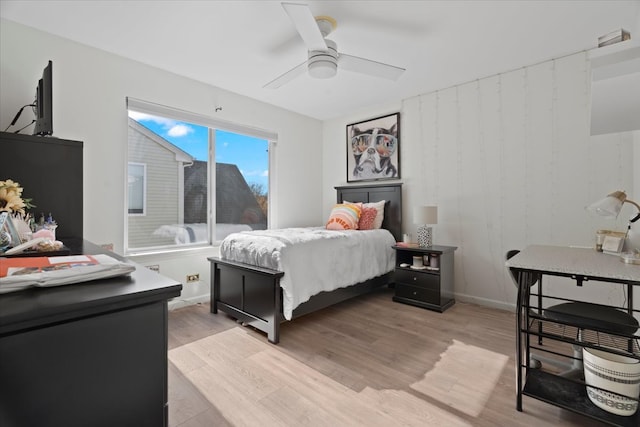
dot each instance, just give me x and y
(107, 246)
(193, 277)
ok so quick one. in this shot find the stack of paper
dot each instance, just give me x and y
(21, 273)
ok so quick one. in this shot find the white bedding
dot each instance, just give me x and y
(313, 259)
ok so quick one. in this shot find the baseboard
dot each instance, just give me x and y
(499, 305)
(184, 302)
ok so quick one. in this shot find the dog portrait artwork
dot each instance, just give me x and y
(373, 148)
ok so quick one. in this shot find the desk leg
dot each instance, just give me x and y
(539, 311)
(519, 314)
(630, 311)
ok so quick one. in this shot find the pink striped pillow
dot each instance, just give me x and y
(344, 217)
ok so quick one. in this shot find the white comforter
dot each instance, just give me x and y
(313, 259)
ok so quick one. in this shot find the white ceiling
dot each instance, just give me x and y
(242, 45)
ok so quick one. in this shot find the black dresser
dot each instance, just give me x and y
(87, 354)
(50, 172)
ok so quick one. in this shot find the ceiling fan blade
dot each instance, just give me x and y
(369, 67)
(306, 25)
(287, 77)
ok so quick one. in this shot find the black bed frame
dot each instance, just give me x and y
(253, 296)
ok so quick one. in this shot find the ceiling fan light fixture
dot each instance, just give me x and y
(322, 60)
(323, 69)
(323, 64)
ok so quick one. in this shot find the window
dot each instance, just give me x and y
(136, 188)
(192, 180)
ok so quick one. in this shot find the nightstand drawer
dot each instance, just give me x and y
(415, 278)
(416, 293)
(426, 288)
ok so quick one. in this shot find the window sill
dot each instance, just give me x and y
(172, 253)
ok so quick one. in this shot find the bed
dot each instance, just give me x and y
(253, 294)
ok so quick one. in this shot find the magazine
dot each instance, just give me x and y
(24, 272)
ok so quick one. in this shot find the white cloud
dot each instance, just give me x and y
(171, 127)
(179, 130)
(143, 117)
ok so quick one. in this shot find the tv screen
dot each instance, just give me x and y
(44, 103)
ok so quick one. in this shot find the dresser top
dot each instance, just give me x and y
(37, 307)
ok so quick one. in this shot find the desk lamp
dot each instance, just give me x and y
(425, 215)
(610, 207)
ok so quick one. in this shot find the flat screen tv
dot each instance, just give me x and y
(43, 107)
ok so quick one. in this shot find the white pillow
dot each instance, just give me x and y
(379, 206)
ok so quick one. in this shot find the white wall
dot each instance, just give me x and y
(508, 159)
(90, 87)
(509, 162)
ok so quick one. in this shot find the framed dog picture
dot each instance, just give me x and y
(373, 149)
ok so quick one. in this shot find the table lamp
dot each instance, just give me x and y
(610, 206)
(425, 215)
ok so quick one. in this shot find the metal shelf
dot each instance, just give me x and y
(555, 341)
(619, 344)
(572, 396)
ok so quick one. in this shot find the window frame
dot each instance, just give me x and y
(212, 124)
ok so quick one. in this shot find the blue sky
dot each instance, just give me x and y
(248, 153)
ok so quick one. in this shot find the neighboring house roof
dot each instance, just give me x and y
(181, 155)
(235, 202)
(195, 193)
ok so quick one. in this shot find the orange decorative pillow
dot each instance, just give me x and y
(367, 219)
(344, 216)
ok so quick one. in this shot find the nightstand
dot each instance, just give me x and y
(429, 287)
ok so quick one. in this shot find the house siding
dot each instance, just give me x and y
(162, 191)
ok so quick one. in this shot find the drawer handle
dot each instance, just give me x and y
(415, 278)
(415, 293)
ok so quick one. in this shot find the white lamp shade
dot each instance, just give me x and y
(425, 215)
(610, 206)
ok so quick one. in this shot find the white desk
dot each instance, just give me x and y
(566, 261)
(580, 264)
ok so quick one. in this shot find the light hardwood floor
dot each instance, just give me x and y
(368, 361)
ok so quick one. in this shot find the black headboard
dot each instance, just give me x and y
(391, 193)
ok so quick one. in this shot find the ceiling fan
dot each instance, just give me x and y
(324, 57)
